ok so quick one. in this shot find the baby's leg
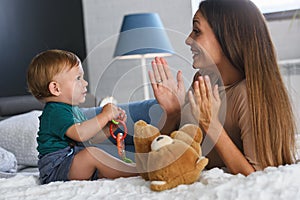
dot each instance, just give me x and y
(89, 159)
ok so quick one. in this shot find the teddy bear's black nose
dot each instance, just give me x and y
(159, 138)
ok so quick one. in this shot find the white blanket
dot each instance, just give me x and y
(271, 184)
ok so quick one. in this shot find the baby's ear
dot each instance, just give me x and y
(54, 88)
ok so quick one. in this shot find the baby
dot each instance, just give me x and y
(56, 77)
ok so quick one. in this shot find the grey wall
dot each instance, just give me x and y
(286, 38)
(122, 78)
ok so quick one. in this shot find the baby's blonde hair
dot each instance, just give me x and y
(44, 67)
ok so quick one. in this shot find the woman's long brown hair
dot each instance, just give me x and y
(242, 33)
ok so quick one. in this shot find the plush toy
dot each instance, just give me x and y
(168, 161)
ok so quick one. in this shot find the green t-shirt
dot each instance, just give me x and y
(54, 122)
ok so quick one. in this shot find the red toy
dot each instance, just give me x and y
(120, 139)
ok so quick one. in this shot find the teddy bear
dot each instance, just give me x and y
(168, 161)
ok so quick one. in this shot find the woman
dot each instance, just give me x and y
(259, 128)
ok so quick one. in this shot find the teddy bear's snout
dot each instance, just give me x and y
(160, 141)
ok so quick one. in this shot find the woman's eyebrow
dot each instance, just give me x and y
(196, 21)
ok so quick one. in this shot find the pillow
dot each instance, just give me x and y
(18, 135)
(8, 161)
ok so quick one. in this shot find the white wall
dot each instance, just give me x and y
(291, 76)
(286, 38)
(122, 78)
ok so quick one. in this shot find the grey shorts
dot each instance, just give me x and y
(56, 166)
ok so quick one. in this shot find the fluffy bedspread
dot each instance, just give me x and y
(18, 135)
(272, 183)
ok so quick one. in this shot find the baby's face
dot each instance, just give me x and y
(73, 87)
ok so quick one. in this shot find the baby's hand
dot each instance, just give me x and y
(122, 115)
(110, 111)
(113, 112)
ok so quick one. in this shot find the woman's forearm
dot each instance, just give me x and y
(233, 158)
(168, 124)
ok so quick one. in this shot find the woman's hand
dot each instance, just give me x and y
(205, 102)
(169, 93)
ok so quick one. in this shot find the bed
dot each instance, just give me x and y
(19, 178)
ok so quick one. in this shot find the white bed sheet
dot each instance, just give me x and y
(271, 184)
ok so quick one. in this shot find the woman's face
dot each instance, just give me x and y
(205, 48)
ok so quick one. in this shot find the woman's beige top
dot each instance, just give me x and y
(237, 124)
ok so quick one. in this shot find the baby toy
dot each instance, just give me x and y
(120, 139)
(168, 161)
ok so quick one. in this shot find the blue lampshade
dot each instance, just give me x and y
(142, 34)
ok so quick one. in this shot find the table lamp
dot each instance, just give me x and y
(142, 36)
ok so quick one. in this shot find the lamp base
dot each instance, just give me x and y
(144, 76)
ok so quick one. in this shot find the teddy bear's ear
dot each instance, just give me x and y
(144, 131)
(193, 131)
(139, 125)
(185, 137)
